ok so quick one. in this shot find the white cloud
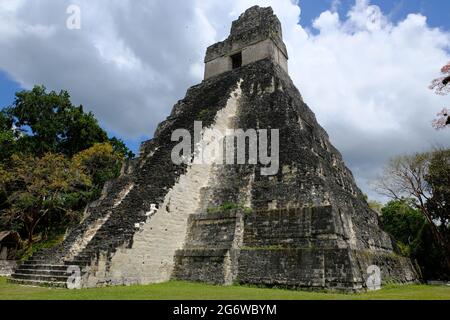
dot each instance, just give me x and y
(364, 76)
(364, 16)
(127, 63)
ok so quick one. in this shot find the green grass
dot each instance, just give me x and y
(175, 290)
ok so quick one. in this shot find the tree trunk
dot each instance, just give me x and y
(439, 238)
(30, 231)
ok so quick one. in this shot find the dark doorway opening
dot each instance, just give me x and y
(236, 60)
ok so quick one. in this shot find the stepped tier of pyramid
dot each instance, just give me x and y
(306, 226)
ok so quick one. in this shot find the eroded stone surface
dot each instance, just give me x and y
(256, 35)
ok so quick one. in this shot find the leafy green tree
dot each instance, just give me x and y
(39, 116)
(400, 219)
(120, 148)
(438, 177)
(5, 177)
(101, 162)
(81, 131)
(7, 139)
(41, 187)
(408, 176)
(54, 159)
(413, 233)
(49, 122)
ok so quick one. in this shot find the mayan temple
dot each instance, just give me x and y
(307, 226)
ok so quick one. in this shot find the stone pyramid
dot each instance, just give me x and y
(305, 226)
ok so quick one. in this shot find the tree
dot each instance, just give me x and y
(120, 148)
(7, 139)
(81, 131)
(41, 187)
(406, 177)
(401, 219)
(438, 177)
(49, 122)
(54, 159)
(408, 226)
(5, 177)
(101, 162)
(441, 86)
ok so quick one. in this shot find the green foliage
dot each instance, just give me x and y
(27, 251)
(41, 189)
(101, 163)
(47, 194)
(42, 113)
(81, 131)
(49, 122)
(402, 220)
(425, 178)
(229, 206)
(54, 159)
(120, 148)
(438, 177)
(405, 250)
(414, 237)
(7, 139)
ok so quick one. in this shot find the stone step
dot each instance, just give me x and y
(32, 262)
(42, 272)
(35, 258)
(40, 277)
(39, 256)
(43, 267)
(207, 247)
(77, 262)
(85, 256)
(40, 283)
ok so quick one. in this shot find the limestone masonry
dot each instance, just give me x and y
(306, 227)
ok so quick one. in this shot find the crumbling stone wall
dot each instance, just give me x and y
(7, 267)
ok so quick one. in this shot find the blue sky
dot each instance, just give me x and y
(437, 12)
(7, 89)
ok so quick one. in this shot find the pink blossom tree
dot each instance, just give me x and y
(441, 86)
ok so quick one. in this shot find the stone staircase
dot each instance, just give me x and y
(49, 267)
(37, 271)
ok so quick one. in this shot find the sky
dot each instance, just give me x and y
(362, 66)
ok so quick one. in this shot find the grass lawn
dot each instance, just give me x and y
(196, 291)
